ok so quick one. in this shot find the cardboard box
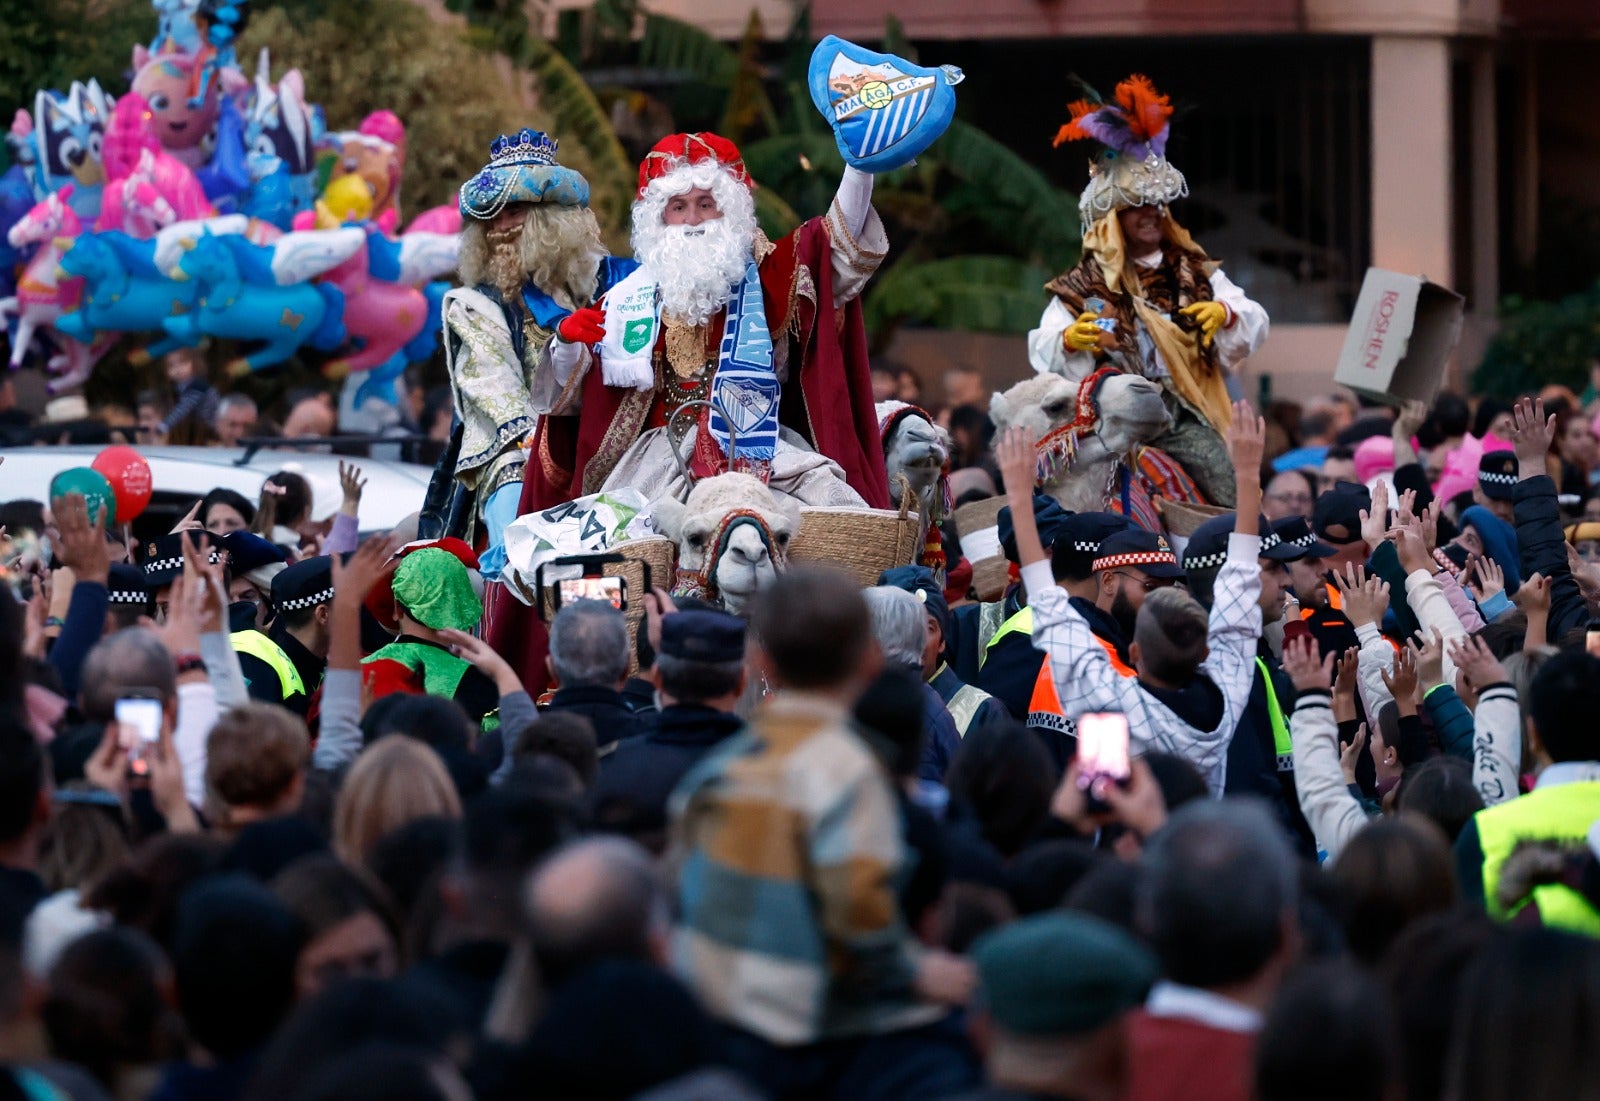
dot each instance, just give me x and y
(1401, 335)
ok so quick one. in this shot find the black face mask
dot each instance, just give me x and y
(242, 615)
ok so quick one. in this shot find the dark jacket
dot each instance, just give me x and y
(1253, 757)
(605, 707)
(943, 738)
(261, 681)
(636, 781)
(1541, 548)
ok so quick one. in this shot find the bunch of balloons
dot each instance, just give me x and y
(116, 486)
(186, 209)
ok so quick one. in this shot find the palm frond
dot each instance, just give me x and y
(775, 216)
(687, 50)
(1045, 214)
(895, 40)
(748, 104)
(991, 294)
(578, 116)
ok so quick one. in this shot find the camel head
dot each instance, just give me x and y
(916, 449)
(733, 537)
(1081, 428)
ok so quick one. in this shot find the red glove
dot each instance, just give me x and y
(585, 326)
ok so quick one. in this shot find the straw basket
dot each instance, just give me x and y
(980, 545)
(1181, 520)
(656, 551)
(861, 541)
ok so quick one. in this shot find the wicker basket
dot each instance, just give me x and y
(990, 570)
(1181, 520)
(656, 551)
(861, 541)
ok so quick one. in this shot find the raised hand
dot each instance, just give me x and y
(1428, 654)
(1401, 679)
(1375, 521)
(1487, 580)
(354, 579)
(1410, 418)
(1018, 465)
(81, 544)
(484, 657)
(1534, 595)
(1350, 754)
(1247, 441)
(1345, 682)
(351, 483)
(1531, 434)
(190, 521)
(1365, 599)
(1413, 551)
(1308, 672)
(1474, 658)
(1430, 527)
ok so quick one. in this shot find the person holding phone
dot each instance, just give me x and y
(1194, 670)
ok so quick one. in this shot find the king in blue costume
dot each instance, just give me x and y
(530, 254)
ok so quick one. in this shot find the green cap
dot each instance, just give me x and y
(434, 587)
(1061, 974)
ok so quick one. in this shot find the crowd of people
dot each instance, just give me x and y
(1300, 800)
(824, 852)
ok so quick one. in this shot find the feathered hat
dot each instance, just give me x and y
(522, 168)
(1131, 167)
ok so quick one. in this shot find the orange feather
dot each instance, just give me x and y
(1146, 109)
(1070, 130)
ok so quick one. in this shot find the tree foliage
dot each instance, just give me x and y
(359, 56)
(1540, 343)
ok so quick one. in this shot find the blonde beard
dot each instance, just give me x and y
(557, 249)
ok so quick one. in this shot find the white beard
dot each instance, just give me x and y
(697, 268)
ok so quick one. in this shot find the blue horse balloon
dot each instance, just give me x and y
(239, 299)
(123, 290)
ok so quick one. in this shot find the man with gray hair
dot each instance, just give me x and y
(1217, 901)
(900, 627)
(234, 419)
(588, 664)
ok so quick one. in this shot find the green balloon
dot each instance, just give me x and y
(94, 487)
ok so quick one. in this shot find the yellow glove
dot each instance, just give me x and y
(1083, 335)
(1209, 316)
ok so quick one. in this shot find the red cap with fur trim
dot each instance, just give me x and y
(380, 601)
(676, 150)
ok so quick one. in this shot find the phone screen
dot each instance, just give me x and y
(140, 721)
(613, 589)
(1102, 751)
(1591, 640)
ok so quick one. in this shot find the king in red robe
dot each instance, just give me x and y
(625, 366)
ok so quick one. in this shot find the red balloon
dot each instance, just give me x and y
(130, 480)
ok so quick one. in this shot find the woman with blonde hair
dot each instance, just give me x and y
(395, 781)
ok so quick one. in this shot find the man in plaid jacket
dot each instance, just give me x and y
(789, 847)
(1195, 670)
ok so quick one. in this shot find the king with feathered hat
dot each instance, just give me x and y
(1145, 298)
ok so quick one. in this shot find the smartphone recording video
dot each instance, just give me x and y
(612, 589)
(1102, 755)
(139, 718)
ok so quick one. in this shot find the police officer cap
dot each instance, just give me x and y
(303, 585)
(708, 636)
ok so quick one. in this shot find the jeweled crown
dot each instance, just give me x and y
(526, 146)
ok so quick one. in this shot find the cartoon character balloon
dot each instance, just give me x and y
(280, 136)
(377, 153)
(181, 127)
(68, 133)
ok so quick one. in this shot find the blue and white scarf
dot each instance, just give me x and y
(745, 388)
